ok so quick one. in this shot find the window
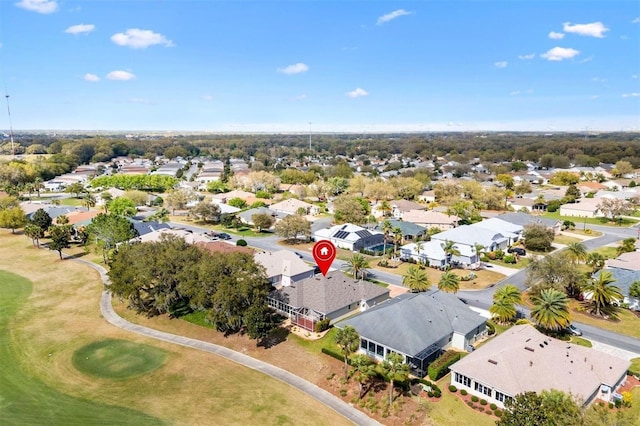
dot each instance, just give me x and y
(379, 350)
(483, 389)
(363, 344)
(464, 380)
(502, 397)
(372, 347)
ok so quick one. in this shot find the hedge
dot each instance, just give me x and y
(333, 354)
(322, 325)
(438, 368)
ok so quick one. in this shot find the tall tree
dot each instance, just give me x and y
(505, 299)
(259, 321)
(576, 252)
(88, 200)
(12, 218)
(59, 238)
(363, 371)
(34, 232)
(357, 265)
(293, 226)
(397, 239)
(449, 282)
(108, 230)
(348, 340)
(450, 249)
(416, 279)
(543, 409)
(42, 219)
(262, 221)
(122, 206)
(206, 211)
(396, 370)
(386, 229)
(601, 295)
(76, 188)
(551, 310)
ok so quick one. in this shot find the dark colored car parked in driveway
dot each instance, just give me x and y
(517, 250)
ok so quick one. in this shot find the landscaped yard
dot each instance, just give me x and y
(566, 240)
(606, 252)
(588, 220)
(61, 316)
(628, 323)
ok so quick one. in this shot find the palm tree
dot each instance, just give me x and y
(88, 200)
(551, 309)
(363, 371)
(419, 250)
(596, 261)
(416, 279)
(504, 304)
(385, 208)
(479, 250)
(386, 229)
(395, 369)
(357, 265)
(576, 252)
(450, 250)
(603, 294)
(348, 339)
(449, 282)
(502, 311)
(397, 239)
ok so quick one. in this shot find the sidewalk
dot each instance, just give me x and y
(611, 350)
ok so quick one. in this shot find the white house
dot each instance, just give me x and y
(350, 237)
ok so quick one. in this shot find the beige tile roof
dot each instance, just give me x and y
(523, 359)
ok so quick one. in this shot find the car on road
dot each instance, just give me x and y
(517, 250)
(572, 329)
(224, 236)
(299, 255)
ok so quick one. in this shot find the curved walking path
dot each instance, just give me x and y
(329, 400)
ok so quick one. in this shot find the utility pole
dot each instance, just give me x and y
(13, 150)
(309, 137)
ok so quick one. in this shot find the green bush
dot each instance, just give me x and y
(499, 254)
(452, 388)
(438, 368)
(241, 243)
(484, 258)
(491, 329)
(522, 321)
(322, 325)
(463, 392)
(483, 402)
(333, 354)
(509, 259)
(497, 413)
(474, 398)
(470, 404)
(437, 393)
(493, 406)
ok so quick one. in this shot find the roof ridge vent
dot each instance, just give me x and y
(529, 349)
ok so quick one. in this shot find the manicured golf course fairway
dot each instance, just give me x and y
(25, 400)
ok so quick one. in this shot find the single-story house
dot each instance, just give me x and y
(292, 206)
(431, 219)
(350, 237)
(419, 326)
(625, 269)
(528, 204)
(410, 231)
(522, 360)
(156, 236)
(523, 219)
(332, 296)
(585, 207)
(511, 231)
(466, 237)
(284, 267)
(53, 211)
(143, 228)
(400, 207)
(428, 252)
(247, 215)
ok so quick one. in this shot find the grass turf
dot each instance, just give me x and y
(26, 400)
(118, 359)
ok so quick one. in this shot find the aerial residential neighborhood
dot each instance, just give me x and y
(454, 288)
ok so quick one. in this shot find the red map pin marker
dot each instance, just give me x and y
(324, 252)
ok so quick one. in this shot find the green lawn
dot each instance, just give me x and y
(581, 221)
(118, 359)
(607, 252)
(523, 262)
(566, 240)
(25, 400)
(635, 366)
(581, 342)
(627, 324)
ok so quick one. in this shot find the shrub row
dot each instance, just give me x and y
(438, 368)
(333, 354)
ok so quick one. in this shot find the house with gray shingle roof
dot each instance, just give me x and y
(522, 359)
(284, 267)
(625, 270)
(466, 237)
(410, 231)
(350, 237)
(419, 326)
(332, 296)
(247, 215)
(523, 219)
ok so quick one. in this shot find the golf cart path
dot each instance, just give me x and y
(326, 398)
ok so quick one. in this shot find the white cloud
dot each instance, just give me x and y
(556, 36)
(40, 6)
(631, 95)
(393, 15)
(594, 96)
(207, 97)
(595, 29)
(136, 38)
(527, 56)
(501, 64)
(357, 93)
(301, 97)
(636, 20)
(294, 69)
(635, 76)
(599, 80)
(120, 75)
(80, 28)
(560, 53)
(91, 77)
(139, 101)
(514, 93)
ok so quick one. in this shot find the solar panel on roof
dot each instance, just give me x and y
(363, 234)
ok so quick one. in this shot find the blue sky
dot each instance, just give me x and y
(358, 66)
